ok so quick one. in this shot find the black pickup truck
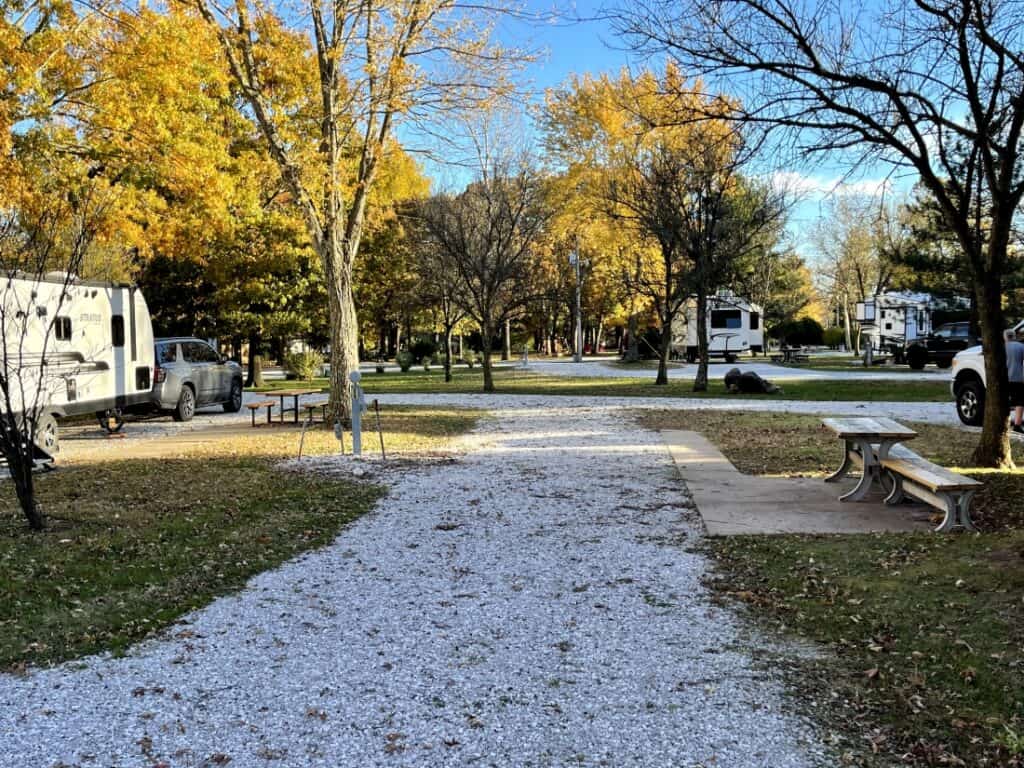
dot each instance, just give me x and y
(940, 346)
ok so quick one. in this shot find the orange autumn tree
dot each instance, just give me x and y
(376, 65)
(657, 155)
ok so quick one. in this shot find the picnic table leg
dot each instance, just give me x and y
(269, 409)
(844, 468)
(280, 415)
(869, 470)
(957, 513)
(296, 409)
(253, 414)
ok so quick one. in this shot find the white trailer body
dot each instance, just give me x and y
(85, 347)
(734, 326)
(888, 320)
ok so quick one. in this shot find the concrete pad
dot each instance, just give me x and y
(732, 503)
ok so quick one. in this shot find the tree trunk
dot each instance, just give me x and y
(487, 342)
(993, 448)
(700, 382)
(598, 334)
(846, 327)
(398, 338)
(448, 354)
(506, 350)
(633, 351)
(255, 375)
(664, 350)
(24, 487)
(344, 337)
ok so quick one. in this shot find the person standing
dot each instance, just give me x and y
(1015, 371)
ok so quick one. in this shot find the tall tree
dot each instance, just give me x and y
(929, 87)
(488, 234)
(377, 63)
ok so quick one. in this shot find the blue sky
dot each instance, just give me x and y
(567, 47)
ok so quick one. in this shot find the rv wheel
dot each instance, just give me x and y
(47, 436)
(110, 420)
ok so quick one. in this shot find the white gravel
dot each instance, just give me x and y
(531, 604)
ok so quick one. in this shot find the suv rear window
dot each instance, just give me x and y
(166, 353)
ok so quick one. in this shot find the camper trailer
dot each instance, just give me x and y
(85, 347)
(733, 327)
(888, 320)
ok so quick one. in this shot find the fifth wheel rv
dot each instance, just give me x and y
(734, 326)
(85, 347)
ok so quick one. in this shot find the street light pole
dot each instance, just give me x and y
(574, 259)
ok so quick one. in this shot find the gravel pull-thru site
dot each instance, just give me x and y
(533, 603)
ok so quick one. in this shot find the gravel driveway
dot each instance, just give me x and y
(532, 603)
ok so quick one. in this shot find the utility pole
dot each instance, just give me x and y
(574, 260)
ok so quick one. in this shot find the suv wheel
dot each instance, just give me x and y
(970, 403)
(917, 358)
(234, 402)
(186, 407)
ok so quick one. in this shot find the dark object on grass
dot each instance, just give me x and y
(748, 383)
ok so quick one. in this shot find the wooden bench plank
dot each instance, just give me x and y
(859, 426)
(931, 476)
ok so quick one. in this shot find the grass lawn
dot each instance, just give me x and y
(134, 544)
(517, 382)
(847, 362)
(924, 633)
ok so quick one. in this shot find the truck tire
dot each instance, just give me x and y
(47, 434)
(186, 407)
(944, 362)
(234, 401)
(917, 358)
(970, 403)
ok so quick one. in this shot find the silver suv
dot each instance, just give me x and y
(190, 374)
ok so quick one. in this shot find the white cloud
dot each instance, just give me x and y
(818, 188)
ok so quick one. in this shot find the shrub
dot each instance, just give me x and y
(380, 368)
(304, 365)
(425, 362)
(833, 337)
(803, 332)
(423, 347)
(469, 356)
(405, 359)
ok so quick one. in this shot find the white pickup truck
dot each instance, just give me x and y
(968, 383)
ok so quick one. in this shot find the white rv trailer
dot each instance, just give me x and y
(733, 326)
(888, 320)
(86, 348)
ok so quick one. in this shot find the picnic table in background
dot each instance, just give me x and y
(296, 394)
(867, 440)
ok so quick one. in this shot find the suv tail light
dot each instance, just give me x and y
(159, 374)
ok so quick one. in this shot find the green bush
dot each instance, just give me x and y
(469, 357)
(798, 333)
(833, 337)
(405, 359)
(425, 362)
(424, 346)
(304, 365)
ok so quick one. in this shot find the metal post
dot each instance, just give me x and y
(574, 259)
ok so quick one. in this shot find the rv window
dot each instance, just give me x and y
(62, 328)
(755, 321)
(726, 318)
(117, 329)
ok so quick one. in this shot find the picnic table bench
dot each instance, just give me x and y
(875, 443)
(281, 394)
(253, 407)
(791, 355)
(943, 489)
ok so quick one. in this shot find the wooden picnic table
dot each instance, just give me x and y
(295, 393)
(869, 441)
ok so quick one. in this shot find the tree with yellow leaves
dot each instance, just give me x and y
(661, 157)
(377, 63)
